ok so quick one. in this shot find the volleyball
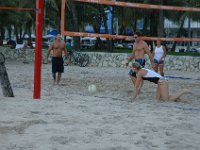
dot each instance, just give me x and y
(92, 88)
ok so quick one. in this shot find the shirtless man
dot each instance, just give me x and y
(58, 46)
(140, 48)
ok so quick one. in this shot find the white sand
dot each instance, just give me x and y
(68, 117)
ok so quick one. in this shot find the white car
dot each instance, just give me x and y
(130, 45)
(88, 42)
(19, 46)
(194, 50)
(117, 45)
(198, 49)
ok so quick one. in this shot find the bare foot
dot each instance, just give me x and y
(177, 100)
(187, 91)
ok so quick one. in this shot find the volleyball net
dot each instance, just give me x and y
(180, 24)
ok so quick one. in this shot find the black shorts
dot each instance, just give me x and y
(57, 65)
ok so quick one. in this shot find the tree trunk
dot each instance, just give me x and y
(104, 16)
(16, 33)
(182, 20)
(189, 32)
(160, 30)
(59, 22)
(153, 25)
(2, 33)
(75, 22)
(146, 18)
(9, 32)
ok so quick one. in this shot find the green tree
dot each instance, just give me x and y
(20, 20)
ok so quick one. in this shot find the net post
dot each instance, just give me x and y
(38, 50)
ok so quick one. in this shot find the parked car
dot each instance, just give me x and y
(194, 50)
(88, 42)
(198, 49)
(19, 46)
(181, 50)
(118, 45)
(130, 45)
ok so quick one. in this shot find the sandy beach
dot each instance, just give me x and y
(68, 117)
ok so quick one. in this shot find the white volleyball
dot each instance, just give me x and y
(92, 88)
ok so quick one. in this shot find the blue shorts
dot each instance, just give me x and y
(155, 61)
(141, 62)
(57, 65)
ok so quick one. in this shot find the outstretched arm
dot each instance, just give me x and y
(131, 57)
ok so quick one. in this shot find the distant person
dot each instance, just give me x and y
(11, 44)
(68, 46)
(159, 54)
(58, 46)
(28, 44)
(140, 48)
(162, 92)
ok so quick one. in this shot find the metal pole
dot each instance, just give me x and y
(38, 50)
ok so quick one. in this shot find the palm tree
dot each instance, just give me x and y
(91, 14)
(179, 18)
(19, 19)
(5, 17)
(53, 13)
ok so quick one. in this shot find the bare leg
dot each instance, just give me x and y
(177, 96)
(155, 67)
(54, 78)
(161, 68)
(58, 78)
(133, 79)
(158, 96)
(163, 90)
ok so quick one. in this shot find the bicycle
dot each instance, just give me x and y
(77, 58)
